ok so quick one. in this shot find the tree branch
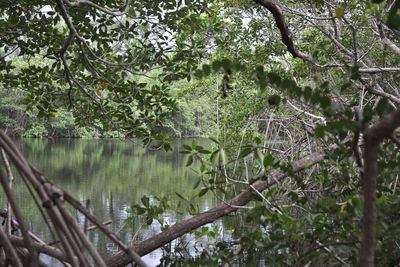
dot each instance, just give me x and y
(121, 259)
(276, 11)
(41, 248)
(9, 250)
(100, 8)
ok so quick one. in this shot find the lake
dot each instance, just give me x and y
(113, 174)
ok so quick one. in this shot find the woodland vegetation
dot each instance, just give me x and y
(300, 99)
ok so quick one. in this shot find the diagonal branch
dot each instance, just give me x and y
(33, 256)
(276, 11)
(9, 250)
(100, 8)
(179, 229)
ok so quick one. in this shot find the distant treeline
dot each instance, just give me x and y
(195, 117)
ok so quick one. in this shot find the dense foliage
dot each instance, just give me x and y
(293, 79)
(194, 117)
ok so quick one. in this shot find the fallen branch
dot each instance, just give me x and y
(179, 229)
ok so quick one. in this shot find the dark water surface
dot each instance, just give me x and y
(113, 174)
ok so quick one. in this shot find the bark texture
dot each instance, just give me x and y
(373, 136)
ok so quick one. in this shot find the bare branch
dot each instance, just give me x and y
(378, 70)
(306, 113)
(276, 11)
(9, 250)
(41, 248)
(10, 196)
(385, 40)
(100, 8)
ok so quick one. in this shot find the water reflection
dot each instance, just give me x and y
(113, 174)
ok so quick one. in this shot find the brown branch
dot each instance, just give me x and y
(85, 224)
(130, 253)
(15, 226)
(41, 248)
(384, 39)
(10, 182)
(373, 136)
(179, 229)
(324, 247)
(276, 11)
(67, 43)
(37, 182)
(378, 70)
(93, 227)
(100, 8)
(67, 228)
(356, 138)
(9, 250)
(10, 196)
(78, 231)
(378, 91)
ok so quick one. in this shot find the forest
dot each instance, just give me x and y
(299, 100)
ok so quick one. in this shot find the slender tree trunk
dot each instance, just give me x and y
(373, 136)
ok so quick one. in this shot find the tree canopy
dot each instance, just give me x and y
(306, 93)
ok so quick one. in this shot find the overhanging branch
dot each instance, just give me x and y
(276, 11)
(179, 229)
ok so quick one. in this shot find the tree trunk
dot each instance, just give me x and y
(373, 136)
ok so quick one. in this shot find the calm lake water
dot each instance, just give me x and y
(113, 174)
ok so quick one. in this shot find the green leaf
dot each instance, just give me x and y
(197, 184)
(214, 140)
(223, 157)
(325, 102)
(268, 160)
(180, 196)
(187, 147)
(320, 131)
(167, 147)
(203, 191)
(216, 65)
(226, 64)
(245, 152)
(274, 78)
(189, 161)
(198, 74)
(202, 167)
(146, 201)
(260, 156)
(215, 158)
(206, 70)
